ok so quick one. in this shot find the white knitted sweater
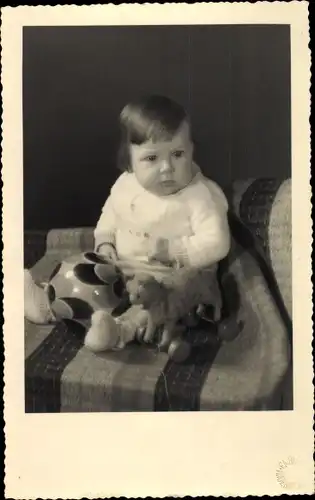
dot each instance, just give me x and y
(194, 220)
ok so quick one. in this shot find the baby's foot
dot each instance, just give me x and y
(104, 333)
(36, 303)
(113, 333)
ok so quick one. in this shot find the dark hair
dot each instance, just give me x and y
(155, 118)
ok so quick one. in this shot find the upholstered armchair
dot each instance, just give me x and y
(253, 372)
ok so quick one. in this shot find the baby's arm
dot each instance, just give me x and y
(211, 239)
(104, 233)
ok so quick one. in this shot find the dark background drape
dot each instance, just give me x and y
(233, 80)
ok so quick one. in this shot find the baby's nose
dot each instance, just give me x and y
(166, 165)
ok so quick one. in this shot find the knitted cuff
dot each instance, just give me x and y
(107, 238)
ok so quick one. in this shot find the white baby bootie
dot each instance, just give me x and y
(110, 333)
(107, 333)
(36, 304)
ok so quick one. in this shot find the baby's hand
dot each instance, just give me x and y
(108, 251)
(158, 249)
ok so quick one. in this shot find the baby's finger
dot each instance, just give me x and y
(113, 255)
(110, 254)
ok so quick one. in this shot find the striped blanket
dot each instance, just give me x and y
(246, 374)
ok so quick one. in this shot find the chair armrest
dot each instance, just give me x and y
(252, 201)
(34, 247)
(261, 220)
(265, 333)
(37, 243)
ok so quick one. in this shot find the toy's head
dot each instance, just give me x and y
(145, 289)
(82, 284)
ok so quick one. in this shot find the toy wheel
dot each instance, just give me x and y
(191, 319)
(179, 350)
(228, 329)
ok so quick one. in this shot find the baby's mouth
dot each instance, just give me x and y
(168, 182)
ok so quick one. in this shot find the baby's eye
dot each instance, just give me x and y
(151, 158)
(178, 154)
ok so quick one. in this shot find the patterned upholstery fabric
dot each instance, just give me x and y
(280, 242)
(264, 206)
(246, 374)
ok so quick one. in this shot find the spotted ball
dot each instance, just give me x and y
(82, 284)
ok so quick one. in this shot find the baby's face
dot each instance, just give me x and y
(163, 168)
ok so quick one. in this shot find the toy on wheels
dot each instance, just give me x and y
(169, 300)
(172, 302)
(82, 284)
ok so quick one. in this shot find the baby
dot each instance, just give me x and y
(161, 208)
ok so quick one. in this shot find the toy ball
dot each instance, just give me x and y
(82, 284)
(228, 329)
